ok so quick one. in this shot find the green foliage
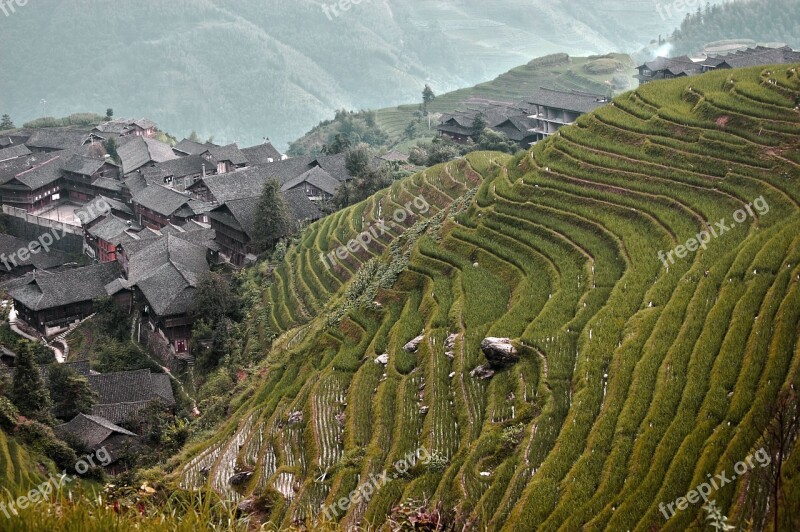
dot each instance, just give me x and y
(77, 119)
(110, 145)
(6, 123)
(70, 392)
(272, 219)
(28, 392)
(8, 414)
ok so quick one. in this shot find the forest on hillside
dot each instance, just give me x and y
(776, 21)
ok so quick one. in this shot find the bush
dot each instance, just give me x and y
(8, 415)
(41, 438)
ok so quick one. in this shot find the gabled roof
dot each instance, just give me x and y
(394, 156)
(91, 430)
(121, 126)
(47, 171)
(83, 165)
(231, 153)
(316, 177)
(40, 290)
(116, 205)
(57, 138)
(140, 151)
(14, 151)
(167, 271)
(42, 261)
(111, 229)
(262, 153)
(181, 167)
(131, 387)
(301, 208)
(161, 199)
(758, 56)
(191, 147)
(581, 102)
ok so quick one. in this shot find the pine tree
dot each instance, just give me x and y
(28, 391)
(6, 123)
(273, 221)
(427, 97)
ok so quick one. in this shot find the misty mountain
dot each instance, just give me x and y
(241, 70)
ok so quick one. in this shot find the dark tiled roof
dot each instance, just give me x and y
(302, 208)
(42, 261)
(131, 387)
(111, 229)
(82, 165)
(581, 102)
(140, 151)
(160, 199)
(183, 166)
(190, 147)
(57, 139)
(44, 290)
(47, 171)
(316, 177)
(231, 153)
(14, 151)
(759, 56)
(91, 430)
(116, 205)
(262, 153)
(167, 271)
(120, 412)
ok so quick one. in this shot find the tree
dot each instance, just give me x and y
(194, 137)
(28, 391)
(70, 392)
(478, 125)
(427, 98)
(109, 113)
(273, 221)
(357, 160)
(780, 429)
(110, 145)
(216, 299)
(6, 123)
(411, 130)
(340, 144)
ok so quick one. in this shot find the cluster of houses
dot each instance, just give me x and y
(168, 215)
(120, 413)
(526, 122)
(676, 67)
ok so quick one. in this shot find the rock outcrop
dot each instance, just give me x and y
(500, 352)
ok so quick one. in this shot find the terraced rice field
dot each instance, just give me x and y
(638, 378)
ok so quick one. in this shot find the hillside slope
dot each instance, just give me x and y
(638, 376)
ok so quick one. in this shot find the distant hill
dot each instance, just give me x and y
(241, 70)
(597, 74)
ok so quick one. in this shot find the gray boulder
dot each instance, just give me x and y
(500, 352)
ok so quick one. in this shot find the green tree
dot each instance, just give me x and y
(478, 125)
(411, 130)
(70, 392)
(427, 98)
(109, 113)
(272, 219)
(340, 144)
(110, 145)
(28, 391)
(194, 137)
(6, 123)
(216, 299)
(357, 160)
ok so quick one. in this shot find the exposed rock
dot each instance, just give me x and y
(423, 410)
(482, 372)
(450, 355)
(295, 417)
(383, 359)
(240, 478)
(247, 506)
(413, 345)
(451, 341)
(499, 352)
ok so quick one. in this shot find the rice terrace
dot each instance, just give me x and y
(524, 332)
